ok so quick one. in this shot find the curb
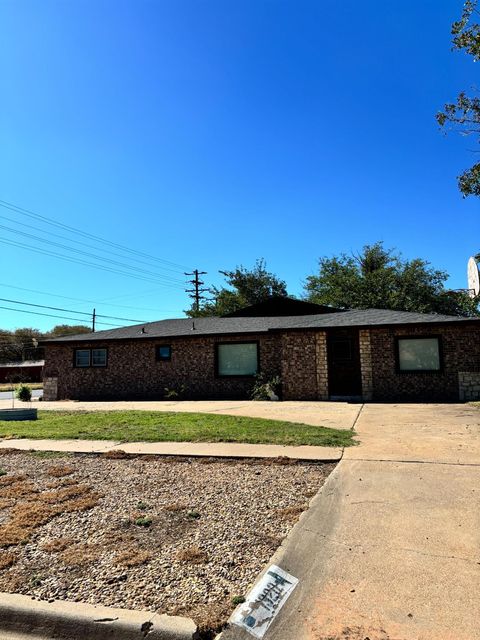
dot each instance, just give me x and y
(68, 620)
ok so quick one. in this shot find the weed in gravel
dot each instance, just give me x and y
(192, 554)
(144, 521)
(310, 493)
(65, 493)
(143, 506)
(60, 470)
(36, 581)
(3, 472)
(174, 507)
(115, 454)
(132, 557)
(37, 508)
(5, 503)
(29, 515)
(58, 544)
(236, 600)
(5, 481)
(193, 515)
(80, 555)
(7, 558)
(292, 513)
(19, 489)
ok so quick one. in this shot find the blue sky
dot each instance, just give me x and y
(211, 133)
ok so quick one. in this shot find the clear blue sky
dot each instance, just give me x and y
(211, 133)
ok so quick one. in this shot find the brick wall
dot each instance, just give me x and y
(299, 369)
(300, 357)
(133, 371)
(461, 352)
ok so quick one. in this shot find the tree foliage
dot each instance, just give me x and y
(464, 114)
(244, 287)
(22, 344)
(380, 278)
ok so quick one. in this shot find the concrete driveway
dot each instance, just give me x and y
(390, 548)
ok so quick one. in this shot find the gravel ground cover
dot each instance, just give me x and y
(181, 536)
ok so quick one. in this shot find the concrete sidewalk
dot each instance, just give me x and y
(390, 549)
(213, 449)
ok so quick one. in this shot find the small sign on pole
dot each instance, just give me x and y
(264, 601)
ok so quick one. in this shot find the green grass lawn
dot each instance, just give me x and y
(158, 426)
(8, 386)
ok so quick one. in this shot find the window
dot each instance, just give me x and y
(237, 359)
(99, 357)
(418, 354)
(164, 352)
(90, 358)
(82, 357)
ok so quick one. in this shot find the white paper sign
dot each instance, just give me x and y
(264, 601)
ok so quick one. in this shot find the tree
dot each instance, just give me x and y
(21, 344)
(379, 278)
(464, 114)
(67, 330)
(249, 286)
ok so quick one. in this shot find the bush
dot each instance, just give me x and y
(23, 393)
(266, 388)
(173, 393)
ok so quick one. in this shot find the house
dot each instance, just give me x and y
(320, 353)
(23, 371)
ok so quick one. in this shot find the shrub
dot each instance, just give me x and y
(143, 522)
(266, 388)
(23, 393)
(173, 393)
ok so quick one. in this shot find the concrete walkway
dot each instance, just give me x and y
(214, 449)
(390, 548)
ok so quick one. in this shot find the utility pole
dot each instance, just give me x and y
(196, 292)
(93, 321)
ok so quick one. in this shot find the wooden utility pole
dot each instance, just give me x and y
(196, 292)
(93, 321)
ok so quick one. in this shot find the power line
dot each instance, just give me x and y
(88, 264)
(85, 244)
(91, 255)
(49, 315)
(107, 304)
(51, 221)
(83, 313)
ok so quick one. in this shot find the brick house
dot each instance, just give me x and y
(320, 353)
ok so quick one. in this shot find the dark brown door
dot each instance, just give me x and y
(344, 377)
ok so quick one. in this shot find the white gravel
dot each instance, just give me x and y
(228, 513)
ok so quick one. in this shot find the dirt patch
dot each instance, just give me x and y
(181, 537)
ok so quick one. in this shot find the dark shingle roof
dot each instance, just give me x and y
(222, 326)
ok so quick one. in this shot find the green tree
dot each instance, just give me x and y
(464, 114)
(21, 344)
(246, 287)
(380, 278)
(67, 330)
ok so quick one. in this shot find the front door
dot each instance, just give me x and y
(344, 376)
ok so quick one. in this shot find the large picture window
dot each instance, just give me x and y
(419, 354)
(237, 359)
